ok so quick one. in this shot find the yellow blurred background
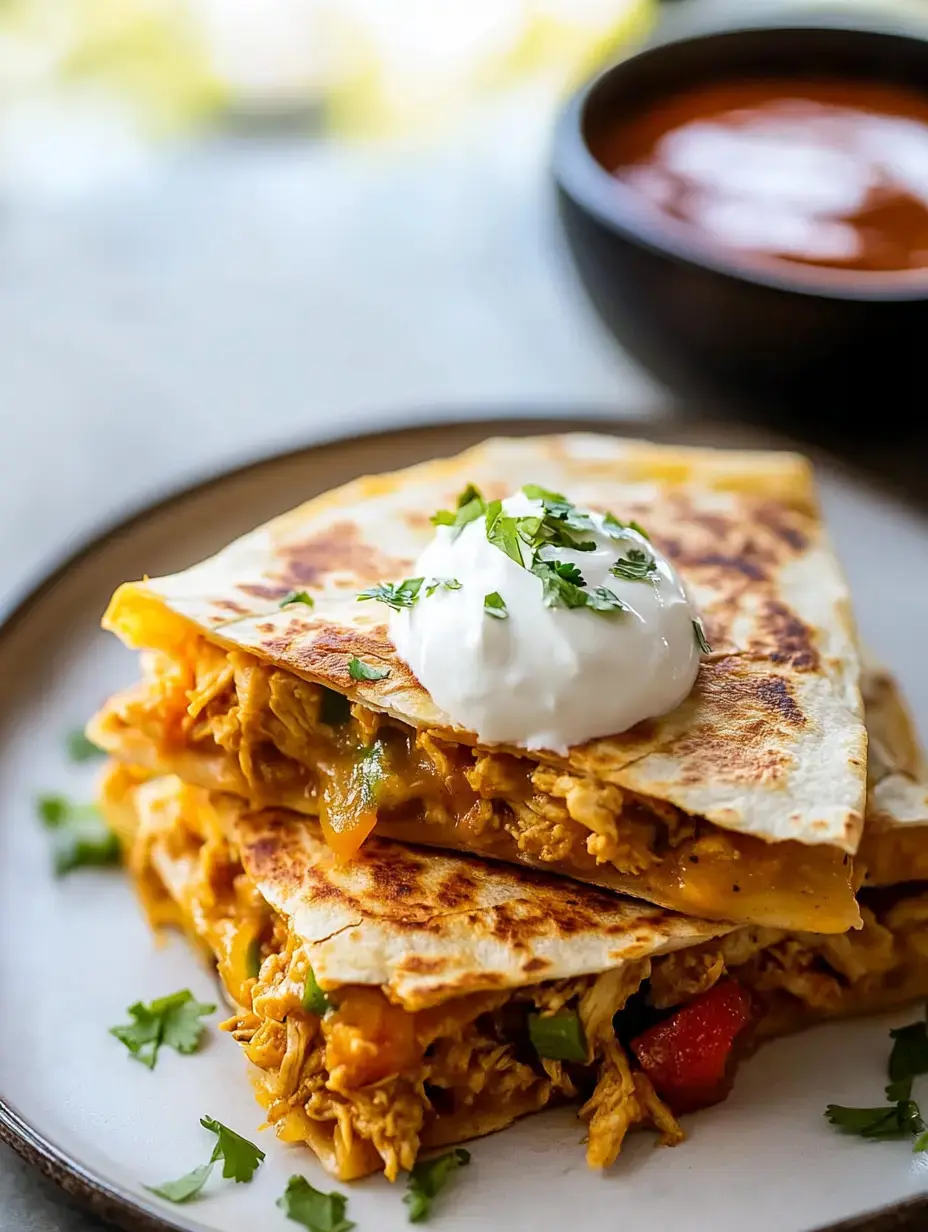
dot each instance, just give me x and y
(361, 68)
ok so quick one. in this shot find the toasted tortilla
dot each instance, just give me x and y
(426, 925)
(771, 741)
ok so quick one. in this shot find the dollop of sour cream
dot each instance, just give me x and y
(544, 676)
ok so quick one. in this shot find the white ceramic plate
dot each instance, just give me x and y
(75, 953)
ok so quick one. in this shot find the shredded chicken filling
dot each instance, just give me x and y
(368, 1084)
(284, 741)
(803, 977)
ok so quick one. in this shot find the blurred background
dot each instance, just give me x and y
(227, 226)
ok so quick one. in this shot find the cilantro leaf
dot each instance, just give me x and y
(602, 599)
(534, 492)
(569, 572)
(360, 671)
(81, 748)
(316, 1211)
(369, 770)
(240, 1161)
(428, 1178)
(619, 530)
(80, 836)
(636, 566)
(503, 533)
(899, 1090)
(470, 506)
(240, 1158)
(298, 596)
(441, 583)
(700, 634)
(495, 605)
(172, 1020)
(185, 1187)
(909, 1056)
(394, 594)
(557, 591)
(866, 1122)
(314, 999)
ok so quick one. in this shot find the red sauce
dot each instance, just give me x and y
(817, 172)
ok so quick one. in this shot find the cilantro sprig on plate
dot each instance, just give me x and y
(317, 1211)
(428, 1178)
(900, 1118)
(240, 1161)
(173, 1021)
(80, 837)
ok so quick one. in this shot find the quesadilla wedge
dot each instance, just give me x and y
(264, 677)
(411, 999)
(407, 999)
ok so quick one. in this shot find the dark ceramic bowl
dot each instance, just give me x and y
(706, 325)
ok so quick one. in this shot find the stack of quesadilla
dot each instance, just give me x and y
(362, 867)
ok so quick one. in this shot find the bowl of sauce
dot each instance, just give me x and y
(748, 211)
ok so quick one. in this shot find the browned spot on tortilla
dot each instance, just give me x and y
(793, 642)
(230, 606)
(419, 965)
(266, 626)
(457, 891)
(417, 520)
(265, 590)
(788, 525)
(535, 964)
(339, 549)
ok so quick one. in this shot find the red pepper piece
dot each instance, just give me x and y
(689, 1056)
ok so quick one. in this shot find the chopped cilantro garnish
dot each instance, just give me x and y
(314, 999)
(369, 770)
(360, 671)
(635, 566)
(173, 1020)
(80, 836)
(503, 533)
(566, 571)
(319, 1212)
(441, 584)
(394, 594)
(883, 1122)
(240, 1161)
(909, 1056)
(470, 506)
(901, 1118)
(558, 1036)
(495, 605)
(602, 599)
(559, 590)
(535, 491)
(619, 530)
(81, 748)
(334, 708)
(428, 1178)
(700, 635)
(298, 596)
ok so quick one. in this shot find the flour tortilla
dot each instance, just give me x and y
(770, 742)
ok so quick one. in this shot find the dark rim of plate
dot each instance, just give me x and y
(110, 1201)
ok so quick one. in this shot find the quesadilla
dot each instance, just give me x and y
(407, 999)
(265, 678)
(411, 999)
